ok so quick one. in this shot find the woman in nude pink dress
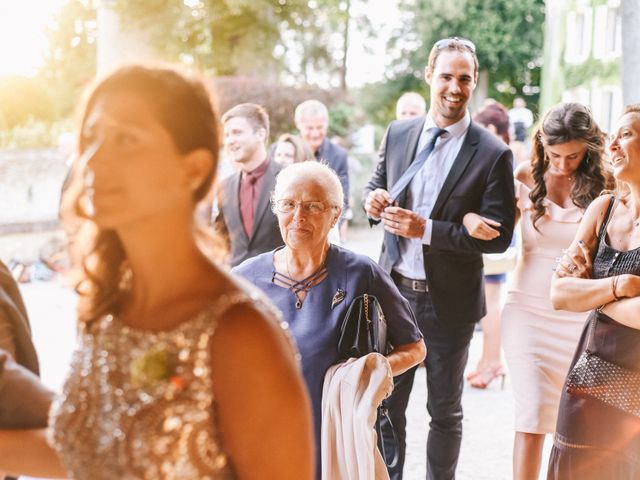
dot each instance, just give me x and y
(565, 174)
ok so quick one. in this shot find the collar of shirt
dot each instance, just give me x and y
(256, 173)
(456, 130)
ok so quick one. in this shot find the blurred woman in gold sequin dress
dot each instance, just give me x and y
(180, 372)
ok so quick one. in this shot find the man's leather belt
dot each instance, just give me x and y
(415, 285)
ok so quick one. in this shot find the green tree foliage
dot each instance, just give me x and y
(253, 42)
(226, 37)
(70, 60)
(279, 101)
(23, 99)
(508, 35)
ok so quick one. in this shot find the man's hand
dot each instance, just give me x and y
(403, 222)
(480, 227)
(376, 202)
(575, 263)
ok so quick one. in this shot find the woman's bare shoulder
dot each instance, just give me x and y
(522, 173)
(250, 319)
(598, 207)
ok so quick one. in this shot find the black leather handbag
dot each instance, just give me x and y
(364, 328)
(363, 331)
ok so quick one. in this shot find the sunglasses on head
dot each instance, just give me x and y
(448, 42)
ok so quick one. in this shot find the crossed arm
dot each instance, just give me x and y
(572, 287)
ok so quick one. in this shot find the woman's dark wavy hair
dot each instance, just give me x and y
(562, 124)
(183, 106)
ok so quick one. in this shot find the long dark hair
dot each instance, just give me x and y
(562, 124)
(184, 108)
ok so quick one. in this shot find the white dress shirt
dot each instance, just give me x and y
(424, 188)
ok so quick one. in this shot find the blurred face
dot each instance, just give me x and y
(625, 148)
(409, 110)
(313, 129)
(285, 153)
(452, 81)
(565, 158)
(130, 165)
(242, 144)
(307, 225)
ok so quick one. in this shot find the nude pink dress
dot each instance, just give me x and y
(539, 341)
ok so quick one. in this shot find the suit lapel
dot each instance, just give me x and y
(234, 192)
(411, 146)
(262, 207)
(466, 153)
(413, 137)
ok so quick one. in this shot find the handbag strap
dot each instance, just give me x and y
(605, 221)
(383, 411)
(589, 349)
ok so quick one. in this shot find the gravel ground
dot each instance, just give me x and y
(488, 423)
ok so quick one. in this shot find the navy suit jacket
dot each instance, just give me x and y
(480, 181)
(228, 223)
(336, 157)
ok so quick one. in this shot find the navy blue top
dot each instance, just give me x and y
(316, 326)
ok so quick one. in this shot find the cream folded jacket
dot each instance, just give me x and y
(351, 394)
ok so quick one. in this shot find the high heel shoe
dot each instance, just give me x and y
(484, 378)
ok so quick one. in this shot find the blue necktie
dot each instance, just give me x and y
(390, 240)
(417, 164)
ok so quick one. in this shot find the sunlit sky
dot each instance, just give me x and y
(22, 34)
(23, 41)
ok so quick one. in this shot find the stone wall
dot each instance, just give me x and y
(30, 182)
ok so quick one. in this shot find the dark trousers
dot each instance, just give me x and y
(447, 352)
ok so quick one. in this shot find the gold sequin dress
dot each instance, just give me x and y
(140, 405)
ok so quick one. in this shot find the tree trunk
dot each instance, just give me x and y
(117, 45)
(630, 51)
(481, 92)
(345, 47)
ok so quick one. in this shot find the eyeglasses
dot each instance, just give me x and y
(448, 42)
(287, 205)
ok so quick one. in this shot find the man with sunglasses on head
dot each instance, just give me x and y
(432, 171)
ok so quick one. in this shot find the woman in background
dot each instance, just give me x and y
(494, 117)
(565, 175)
(291, 149)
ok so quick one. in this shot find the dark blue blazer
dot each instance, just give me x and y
(228, 223)
(336, 157)
(480, 181)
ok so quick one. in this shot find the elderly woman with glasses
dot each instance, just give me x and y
(313, 282)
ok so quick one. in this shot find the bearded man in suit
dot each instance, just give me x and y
(432, 171)
(244, 216)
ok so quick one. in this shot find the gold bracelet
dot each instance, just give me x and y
(614, 286)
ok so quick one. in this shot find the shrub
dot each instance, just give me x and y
(280, 101)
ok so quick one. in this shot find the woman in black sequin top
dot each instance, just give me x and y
(598, 428)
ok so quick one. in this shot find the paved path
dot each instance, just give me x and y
(488, 423)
